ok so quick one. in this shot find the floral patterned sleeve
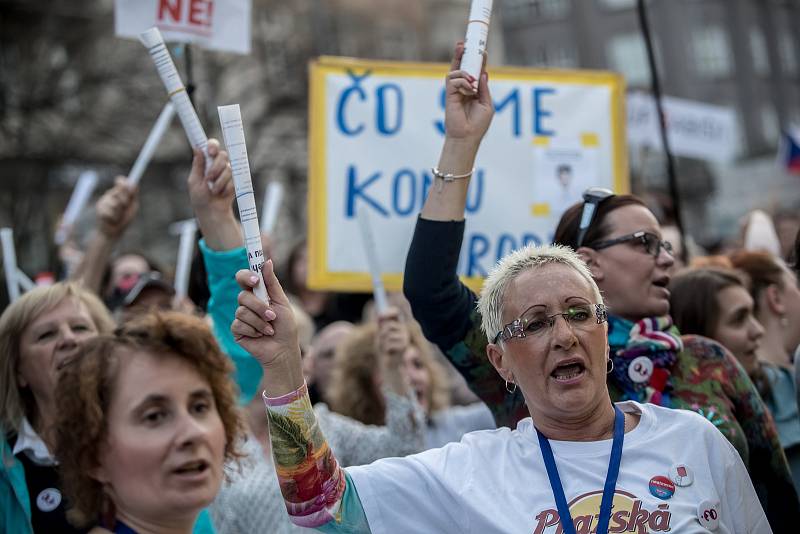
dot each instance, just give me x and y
(317, 492)
(711, 382)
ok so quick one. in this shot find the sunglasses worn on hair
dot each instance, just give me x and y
(592, 197)
(534, 322)
(651, 242)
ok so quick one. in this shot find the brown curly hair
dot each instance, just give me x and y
(353, 391)
(86, 388)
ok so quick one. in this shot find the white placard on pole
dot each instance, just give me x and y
(230, 117)
(84, 188)
(10, 263)
(273, 196)
(381, 304)
(154, 43)
(153, 139)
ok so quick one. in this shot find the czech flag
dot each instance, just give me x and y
(789, 151)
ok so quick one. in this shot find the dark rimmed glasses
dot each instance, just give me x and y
(592, 197)
(534, 322)
(651, 242)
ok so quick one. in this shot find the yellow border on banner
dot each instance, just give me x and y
(318, 275)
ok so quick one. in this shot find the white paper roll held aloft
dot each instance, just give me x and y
(157, 49)
(10, 263)
(480, 14)
(273, 196)
(153, 139)
(371, 251)
(230, 117)
(84, 188)
(183, 266)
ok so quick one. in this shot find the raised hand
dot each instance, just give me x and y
(468, 113)
(211, 193)
(211, 189)
(117, 208)
(269, 333)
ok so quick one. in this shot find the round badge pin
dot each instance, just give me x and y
(662, 487)
(708, 514)
(681, 475)
(640, 369)
(48, 499)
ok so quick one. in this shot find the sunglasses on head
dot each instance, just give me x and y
(592, 198)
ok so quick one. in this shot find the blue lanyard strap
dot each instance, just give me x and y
(122, 528)
(611, 478)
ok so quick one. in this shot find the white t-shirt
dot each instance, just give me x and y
(494, 481)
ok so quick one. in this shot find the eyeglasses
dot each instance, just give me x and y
(592, 197)
(535, 322)
(652, 243)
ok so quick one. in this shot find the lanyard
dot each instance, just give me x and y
(122, 528)
(611, 478)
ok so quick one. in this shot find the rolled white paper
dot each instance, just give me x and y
(273, 196)
(230, 117)
(10, 263)
(381, 303)
(154, 43)
(153, 139)
(480, 14)
(84, 188)
(184, 262)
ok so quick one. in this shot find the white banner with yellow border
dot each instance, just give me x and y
(376, 129)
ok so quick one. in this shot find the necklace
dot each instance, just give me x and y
(608, 489)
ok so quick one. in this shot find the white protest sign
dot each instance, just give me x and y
(214, 24)
(694, 129)
(377, 129)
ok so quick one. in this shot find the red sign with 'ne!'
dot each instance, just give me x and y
(186, 15)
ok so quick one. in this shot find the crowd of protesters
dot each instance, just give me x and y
(592, 386)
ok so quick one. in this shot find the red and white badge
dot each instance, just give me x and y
(708, 514)
(640, 369)
(681, 475)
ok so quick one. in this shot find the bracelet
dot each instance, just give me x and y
(448, 177)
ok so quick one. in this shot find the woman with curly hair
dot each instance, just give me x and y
(147, 418)
(366, 358)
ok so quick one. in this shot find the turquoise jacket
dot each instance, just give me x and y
(221, 268)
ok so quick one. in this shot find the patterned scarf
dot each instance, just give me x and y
(643, 354)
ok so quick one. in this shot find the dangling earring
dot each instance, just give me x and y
(511, 390)
(784, 321)
(609, 365)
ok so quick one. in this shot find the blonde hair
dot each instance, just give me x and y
(490, 304)
(353, 391)
(16, 403)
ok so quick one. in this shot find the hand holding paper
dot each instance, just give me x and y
(117, 208)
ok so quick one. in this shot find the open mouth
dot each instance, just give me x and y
(64, 362)
(192, 468)
(568, 371)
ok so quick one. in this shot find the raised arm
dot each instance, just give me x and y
(115, 210)
(441, 303)
(315, 488)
